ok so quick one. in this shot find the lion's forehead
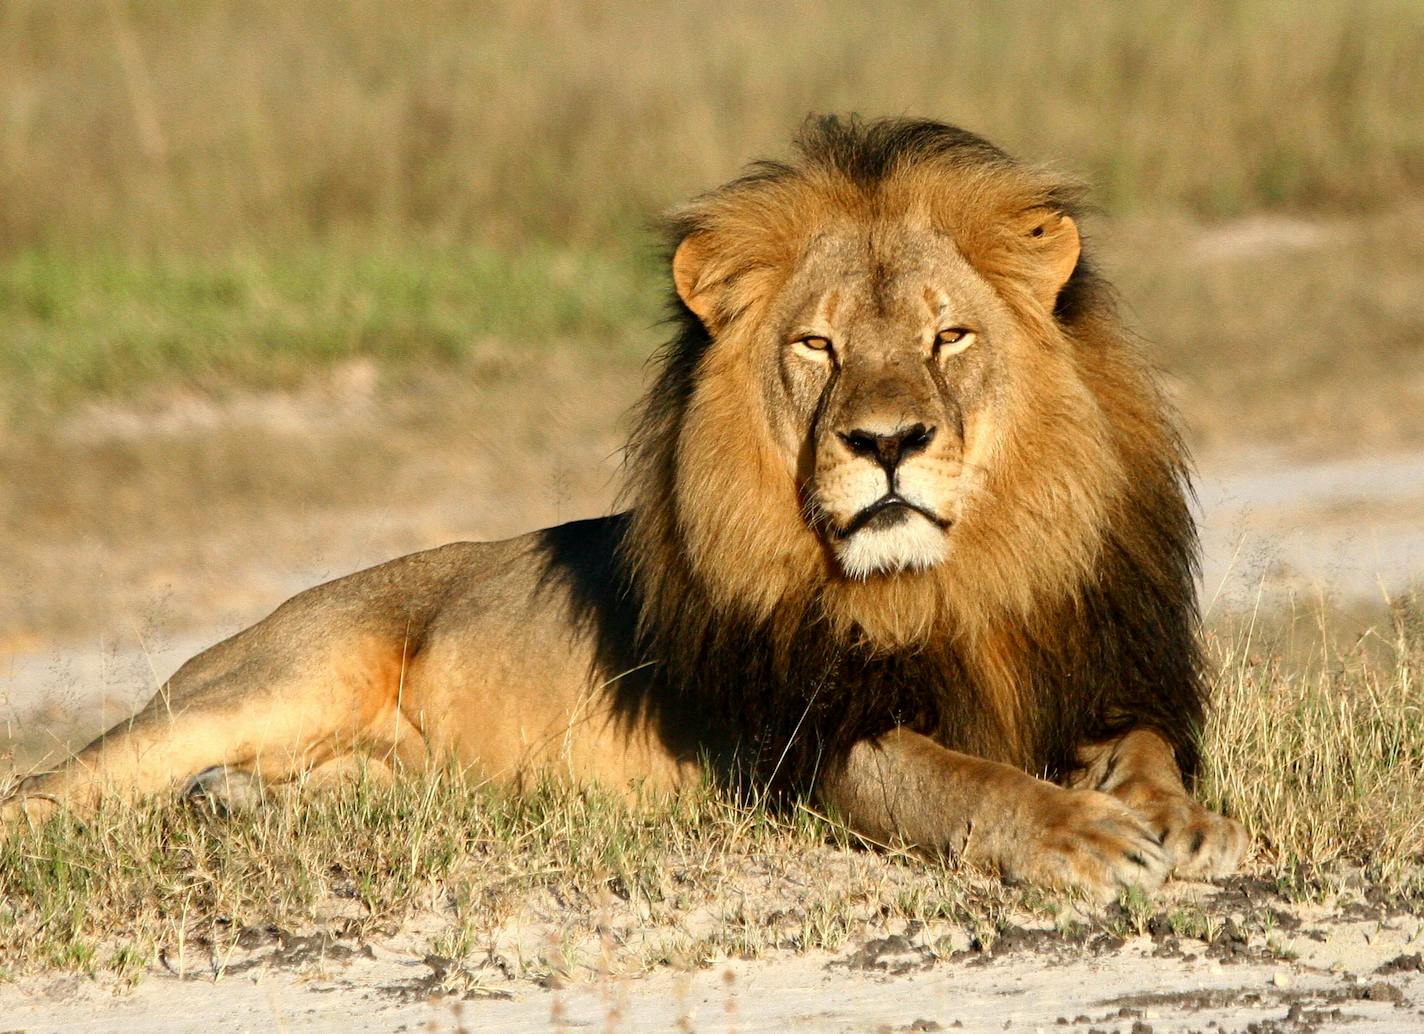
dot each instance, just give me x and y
(891, 247)
(884, 281)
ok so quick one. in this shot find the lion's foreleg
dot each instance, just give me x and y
(157, 750)
(906, 787)
(273, 732)
(1139, 770)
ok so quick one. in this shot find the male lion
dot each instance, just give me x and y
(907, 533)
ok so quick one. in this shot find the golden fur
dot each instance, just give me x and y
(907, 531)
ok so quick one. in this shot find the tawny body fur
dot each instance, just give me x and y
(907, 533)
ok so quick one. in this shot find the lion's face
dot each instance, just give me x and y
(889, 358)
(888, 365)
(887, 415)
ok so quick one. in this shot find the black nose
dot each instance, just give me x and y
(888, 450)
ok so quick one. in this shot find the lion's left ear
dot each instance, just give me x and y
(689, 268)
(1055, 245)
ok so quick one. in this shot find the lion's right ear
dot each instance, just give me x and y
(689, 277)
(1056, 246)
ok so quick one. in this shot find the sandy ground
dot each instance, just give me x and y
(1317, 972)
(1344, 528)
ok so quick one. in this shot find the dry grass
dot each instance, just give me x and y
(533, 886)
(1319, 747)
(1322, 758)
(202, 513)
(148, 125)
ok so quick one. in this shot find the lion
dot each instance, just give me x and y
(906, 534)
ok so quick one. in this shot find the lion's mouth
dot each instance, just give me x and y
(886, 512)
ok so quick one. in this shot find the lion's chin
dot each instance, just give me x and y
(914, 544)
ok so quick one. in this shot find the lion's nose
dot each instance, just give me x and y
(890, 449)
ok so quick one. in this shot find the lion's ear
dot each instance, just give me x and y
(1056, 245)
(689, 265)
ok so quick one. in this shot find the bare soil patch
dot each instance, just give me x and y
(1268, 966)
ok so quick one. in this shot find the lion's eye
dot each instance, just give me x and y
(952, 341)
(819, 347)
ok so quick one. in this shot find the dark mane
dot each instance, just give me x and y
(792, 695)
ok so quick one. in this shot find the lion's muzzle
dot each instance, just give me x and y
(880, 485)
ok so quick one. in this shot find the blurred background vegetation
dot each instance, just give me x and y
(221, 192)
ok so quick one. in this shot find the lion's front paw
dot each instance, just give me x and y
(1089, 841)
(1200, 843)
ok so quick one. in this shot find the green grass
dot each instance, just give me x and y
(120, 326)
(85, 326)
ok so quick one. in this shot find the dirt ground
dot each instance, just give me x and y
(1343, 964)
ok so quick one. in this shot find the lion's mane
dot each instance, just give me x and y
(1069, 602)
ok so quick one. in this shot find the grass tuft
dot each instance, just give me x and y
(1320, 750)
(158, 880)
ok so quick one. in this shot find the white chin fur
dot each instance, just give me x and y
(911, 545)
